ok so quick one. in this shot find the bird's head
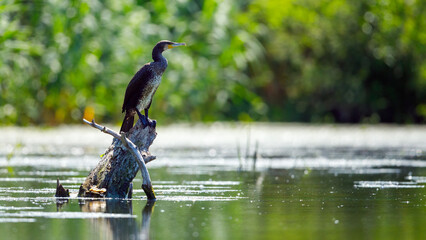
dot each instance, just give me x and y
(166, 44)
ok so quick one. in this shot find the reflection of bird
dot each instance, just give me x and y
(143, 85)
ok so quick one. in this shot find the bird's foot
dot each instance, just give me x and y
(140, 114)
(144, 119)
(152, 123)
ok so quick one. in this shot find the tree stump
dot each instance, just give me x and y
(120, 163)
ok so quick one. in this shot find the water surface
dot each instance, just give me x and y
(221, 181)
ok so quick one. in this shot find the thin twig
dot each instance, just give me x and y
(103, 128)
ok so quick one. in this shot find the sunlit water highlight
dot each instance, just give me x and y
(223, 182)
(386, 184)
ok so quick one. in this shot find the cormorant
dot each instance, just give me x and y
(143, 85)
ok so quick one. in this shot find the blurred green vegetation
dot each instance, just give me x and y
(258, 60)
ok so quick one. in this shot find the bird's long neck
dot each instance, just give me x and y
(157, 55)
(159, 59)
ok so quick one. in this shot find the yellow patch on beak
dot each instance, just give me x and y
(170, 46)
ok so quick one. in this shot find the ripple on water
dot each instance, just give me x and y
(29, 190)
(196, 191)
(16, 220)
(48, 173)
(42, 180)
(187, 191)
(65, 215)
(185, 166)
(363, 171)
(27, 199)
(221, 183)
(198, 198)
(7, 208)
(417, 179)
(386, 184)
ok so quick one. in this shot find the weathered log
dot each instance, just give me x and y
(127, 154)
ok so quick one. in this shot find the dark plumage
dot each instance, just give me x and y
(143, 85)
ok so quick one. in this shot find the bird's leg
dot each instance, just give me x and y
(151, 123)
(143, 118)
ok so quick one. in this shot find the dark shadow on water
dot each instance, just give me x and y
(119, 228)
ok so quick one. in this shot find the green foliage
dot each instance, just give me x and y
(344, 61)
(267, 60)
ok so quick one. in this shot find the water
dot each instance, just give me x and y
(223, 182)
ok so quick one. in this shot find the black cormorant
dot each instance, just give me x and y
(143, 85)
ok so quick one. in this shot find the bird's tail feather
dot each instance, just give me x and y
(127, 123)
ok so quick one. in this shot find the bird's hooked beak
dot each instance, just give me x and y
(176, 45)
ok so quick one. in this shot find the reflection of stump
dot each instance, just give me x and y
(118, 227)
(146, 220)
(118, 166)
(123, 226)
